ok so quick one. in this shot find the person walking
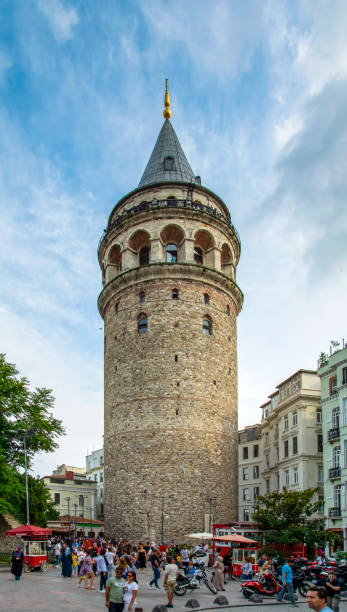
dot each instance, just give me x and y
(287, 581)
(170, 577)
(154, 559)
(218, 578)
(130, 591)
(185, 556)
(66, 561)
(333, 590)
(115, 592)
(102, 569)
(87, 573)
(57, 549)
(17, 562)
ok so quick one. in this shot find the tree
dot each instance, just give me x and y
(25, 417)
(286, 518)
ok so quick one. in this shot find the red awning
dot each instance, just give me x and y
(29, 531)
(238, 539)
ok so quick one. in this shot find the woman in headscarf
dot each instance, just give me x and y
(66, 561)
(17, 562)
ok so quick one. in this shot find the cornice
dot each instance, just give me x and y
(175, 271)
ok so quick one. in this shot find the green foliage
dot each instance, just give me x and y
(341, 554)
(286, 518)
(24, 416)
(323, 359)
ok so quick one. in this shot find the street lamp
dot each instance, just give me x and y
(24, 433)
(68, 511)
(75, 520)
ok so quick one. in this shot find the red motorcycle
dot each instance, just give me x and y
(266, 585)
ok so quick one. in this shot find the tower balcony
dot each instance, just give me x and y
(333, 434)
(335, 472)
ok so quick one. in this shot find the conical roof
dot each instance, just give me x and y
(168, 161)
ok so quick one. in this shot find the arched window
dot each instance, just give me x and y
(175, 294)
(142, 323)
(207, 326)
(198, 258)
(142, 296)
(144, 256)
(171, 253)
(206, 298)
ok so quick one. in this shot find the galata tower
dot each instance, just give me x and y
(169, 303)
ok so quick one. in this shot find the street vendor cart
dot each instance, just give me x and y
(35, 550)
(242, 548)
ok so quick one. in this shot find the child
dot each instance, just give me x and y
(74, 563)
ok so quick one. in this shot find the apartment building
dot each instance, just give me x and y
(333, 375)
(291, 434)
(250, 482)
(95, 471)
(72, 493)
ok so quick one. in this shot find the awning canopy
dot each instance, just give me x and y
(199, 536)
(29, 531)
(236, 538)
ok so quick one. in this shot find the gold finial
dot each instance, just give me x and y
(167, 112)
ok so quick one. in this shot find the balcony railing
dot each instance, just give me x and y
(335, 472)
(334, 512)
(170, 203)
(333, 434)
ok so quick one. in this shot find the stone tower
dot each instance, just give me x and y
(169, 304)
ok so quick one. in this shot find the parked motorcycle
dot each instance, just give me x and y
(265, 585)
(193, 581)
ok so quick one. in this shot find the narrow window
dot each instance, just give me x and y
(344, 376)
(245, 452)
(171, 253)
(207, 326)
(320, 443)
(256, 450)
(286, 448)
(176, 357)
(295, 445)
(116, 307)
(144, 256)
(228, 310)
(198, 258)
(169, 163)
(142, 296)
(206, 298)
(57, 498)
(175, 294)
(142, 323)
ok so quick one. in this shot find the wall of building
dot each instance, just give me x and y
(95, 471)
(71, 493)
(250, 464)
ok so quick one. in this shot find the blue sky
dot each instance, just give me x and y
(258, 92)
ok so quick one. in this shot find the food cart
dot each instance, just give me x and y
(242, 548)
(35, 551)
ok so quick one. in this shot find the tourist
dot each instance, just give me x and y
(110, 558)
(154, 559)
(86, 572)
(57, 549)
(247, 570)
(17, 562)
(130, 591)
(115, 592)
(170, 578)
(185, 556)
(333, 589)
(74, 562)
(141, 558)
(287, 581)
(218, 578)
(66, 561)
(102, 569)
(316, 599)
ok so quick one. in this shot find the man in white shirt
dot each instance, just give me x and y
(170, 578)
(57, 549)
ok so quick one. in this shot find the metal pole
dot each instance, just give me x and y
(26, 479)
(75, 520)
(68, 512)
(210, 521)
(162, 520)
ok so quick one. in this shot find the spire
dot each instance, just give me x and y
(168, 162)
(167, 112)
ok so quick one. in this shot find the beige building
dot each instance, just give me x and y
(95, 471)
(169, 304)
(291, 432)
(72, 492)
(250, 463)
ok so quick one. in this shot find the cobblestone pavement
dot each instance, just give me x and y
(36, 592)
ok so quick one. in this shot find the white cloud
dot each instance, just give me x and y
(61, 18)
(5, 64)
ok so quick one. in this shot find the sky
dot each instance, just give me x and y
(258, 96)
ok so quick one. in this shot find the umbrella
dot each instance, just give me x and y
(238, 539)
(29, 531)
(200, 536)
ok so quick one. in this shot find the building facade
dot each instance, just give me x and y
(333, 374)
(95, 471)
(72, 493)
(169, 303)
(291, 432)
(250, 467)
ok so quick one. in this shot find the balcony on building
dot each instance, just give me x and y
(335, 472)
(334, 512)
(333, 434)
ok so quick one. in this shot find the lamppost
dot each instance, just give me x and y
(162, 520)
(68, 511)
(75, 520)
(210, 499)
(24, 433)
